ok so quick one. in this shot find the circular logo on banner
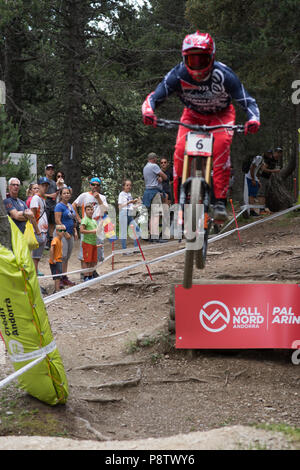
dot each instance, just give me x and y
(15, 347)
(214, 316)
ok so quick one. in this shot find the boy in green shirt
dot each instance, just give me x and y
(88, 228)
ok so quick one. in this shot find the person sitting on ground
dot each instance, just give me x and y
(88, 228)
(56, 253)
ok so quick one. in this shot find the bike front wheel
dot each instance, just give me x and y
(193, 225)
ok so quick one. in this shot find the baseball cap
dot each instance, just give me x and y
(49, 165)
(43, 180)
(278, 149)
(95, 180)
(152, 155)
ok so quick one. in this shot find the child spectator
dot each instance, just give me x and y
(55, 259)
(88, 228)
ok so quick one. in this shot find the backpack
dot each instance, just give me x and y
(247, 163)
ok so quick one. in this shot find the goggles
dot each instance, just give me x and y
(197, 61)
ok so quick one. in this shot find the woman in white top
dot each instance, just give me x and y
(126, 202)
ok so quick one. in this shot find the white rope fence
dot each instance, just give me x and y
(83, 285)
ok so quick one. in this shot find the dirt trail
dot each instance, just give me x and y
(128, 382)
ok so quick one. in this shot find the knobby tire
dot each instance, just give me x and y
(190, 255)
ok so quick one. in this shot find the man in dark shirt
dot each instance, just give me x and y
(167, 184)
(51, 195)
(16, 208)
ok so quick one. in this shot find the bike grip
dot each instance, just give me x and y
(251, 127)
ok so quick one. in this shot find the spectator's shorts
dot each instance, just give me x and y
(50, 216)
(252, 190)
(56, 268)
(100, 250)
(68, 245)
(89, 253)
(37, 254)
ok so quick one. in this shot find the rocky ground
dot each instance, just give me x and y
(128, 383)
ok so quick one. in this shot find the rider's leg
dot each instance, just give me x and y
(178, 158)
(221, 160)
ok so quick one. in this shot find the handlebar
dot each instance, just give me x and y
(197, 127)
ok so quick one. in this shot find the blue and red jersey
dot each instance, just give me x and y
(209, 96)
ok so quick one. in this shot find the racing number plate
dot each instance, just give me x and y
(199, 144)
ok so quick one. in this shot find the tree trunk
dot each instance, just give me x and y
(277, 197)
(5, 234)
(76, 15)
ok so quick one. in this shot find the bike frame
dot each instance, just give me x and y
(196, 185)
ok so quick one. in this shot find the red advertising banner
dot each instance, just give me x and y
(238, 316)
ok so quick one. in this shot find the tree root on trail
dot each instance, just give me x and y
(101, 399)
(97, 434)
(123, 383)
(183, 380)
(108, 364)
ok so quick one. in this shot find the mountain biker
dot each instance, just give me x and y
(206, 88)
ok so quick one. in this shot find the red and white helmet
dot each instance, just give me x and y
(198, 51)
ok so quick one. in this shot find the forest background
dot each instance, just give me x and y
(78, 71)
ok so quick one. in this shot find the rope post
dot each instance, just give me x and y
(140, 248)
(235, 221)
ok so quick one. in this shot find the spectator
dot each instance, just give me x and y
(126, 218)
(51, 195)
(38, 207)
(31, 191)
(16, 208)
(65, 215)
(252, 183)
(167, 184)
(56, 253)
(88, 228)
(60, 183)
(152, 198)
(100, 207)
(269, 166)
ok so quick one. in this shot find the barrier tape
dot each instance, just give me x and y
(19, 372)
(215, 238)
(91, 282)
(33, 354)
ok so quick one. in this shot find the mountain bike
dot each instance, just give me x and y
(196, 191)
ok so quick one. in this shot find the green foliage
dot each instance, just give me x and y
(77, 73)
(9, 136)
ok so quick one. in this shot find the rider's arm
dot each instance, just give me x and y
(238, 92)
(167, 86)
